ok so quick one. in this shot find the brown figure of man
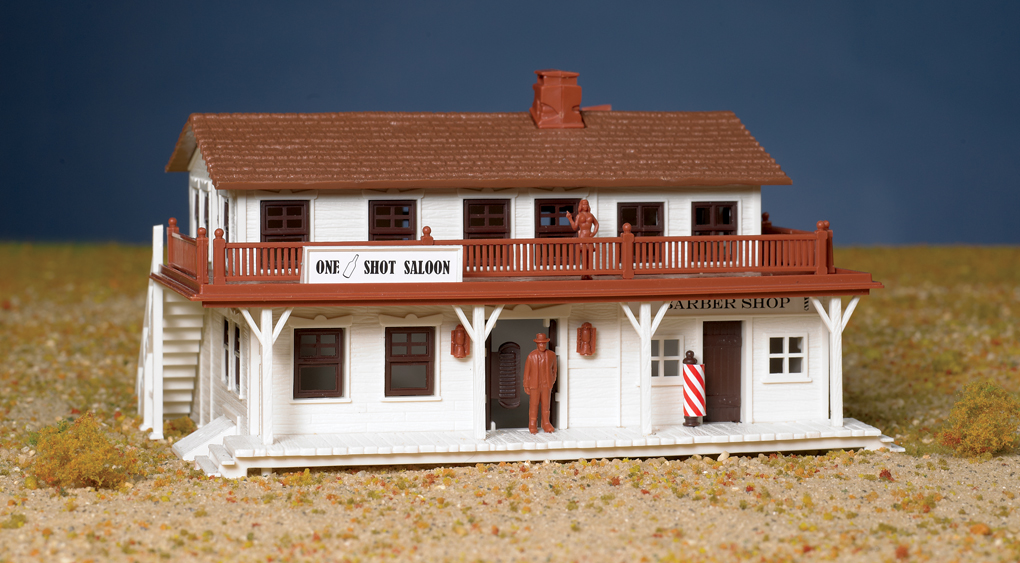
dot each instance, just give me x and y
(539, 376)
(587, 226)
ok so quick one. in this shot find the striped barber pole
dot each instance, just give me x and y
(694, 390)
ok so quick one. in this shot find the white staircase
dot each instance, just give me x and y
(168, 355)
(199, 442)
(182, 334)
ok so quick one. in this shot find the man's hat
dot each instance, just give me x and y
(541, 337)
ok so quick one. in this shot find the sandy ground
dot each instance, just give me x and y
(66, 348)
(839, 506)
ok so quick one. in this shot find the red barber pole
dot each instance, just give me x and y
(694, 390)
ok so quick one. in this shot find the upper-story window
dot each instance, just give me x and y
(486, 218)
(714, 218)
(551, 217)
(284, 221)
(391, 220)
(646, 219)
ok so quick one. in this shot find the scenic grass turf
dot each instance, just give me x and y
(70, 323)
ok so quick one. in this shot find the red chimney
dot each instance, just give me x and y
(557, 102)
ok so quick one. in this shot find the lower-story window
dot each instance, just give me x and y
(318, 365)
(409, 361)
(787, 359)
(667, 355)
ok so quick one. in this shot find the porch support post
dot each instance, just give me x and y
(266, 374)
(478, 330)
(266, 334)
(156, 329)
(645, 327)
(835, 322)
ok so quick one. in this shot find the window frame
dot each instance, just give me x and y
(428, 360)
(786, 377)
(393, 233)
(642, 230)
(298, 362)
(227, 364)
(713, 228)
(660, 360)
(486, 232)
(285, 234)
(555, 231)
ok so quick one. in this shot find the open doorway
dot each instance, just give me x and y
(507, 347)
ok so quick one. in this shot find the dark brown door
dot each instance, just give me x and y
(722, 371)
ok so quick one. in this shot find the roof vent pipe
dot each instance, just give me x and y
(557, 102)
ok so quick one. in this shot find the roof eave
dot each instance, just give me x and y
(186, 145)
(498, 184)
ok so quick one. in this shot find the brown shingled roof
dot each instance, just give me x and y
(473, 150)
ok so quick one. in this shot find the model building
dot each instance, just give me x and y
(365, 289)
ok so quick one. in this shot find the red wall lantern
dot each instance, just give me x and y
(586, 339)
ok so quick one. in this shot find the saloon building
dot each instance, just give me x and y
(363, 288)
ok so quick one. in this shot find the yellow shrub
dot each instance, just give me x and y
(80, 455)
(984, 420)
(178, 427)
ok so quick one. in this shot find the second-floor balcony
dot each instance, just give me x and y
(220, 269)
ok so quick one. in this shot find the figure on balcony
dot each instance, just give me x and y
(587, 226)
(539, 377)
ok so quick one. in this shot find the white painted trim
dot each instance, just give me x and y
(281, 322)
(526, 312)
(770, 378)
(821, 313)
(661, 380)
(411, 399)
(412, 320)
(746, 369)
(266, 375)
(643, 326)
(252, 325)
(836, 362)
(491, 322)
(849, 312)
(563, 375)
(156, 324)
(658, 317)
(320, 321)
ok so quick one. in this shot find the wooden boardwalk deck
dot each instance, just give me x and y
(310, 450)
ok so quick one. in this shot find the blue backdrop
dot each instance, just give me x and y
(898, 122)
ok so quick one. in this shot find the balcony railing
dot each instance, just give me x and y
(775, 252)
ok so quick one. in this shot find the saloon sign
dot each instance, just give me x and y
(381, 264)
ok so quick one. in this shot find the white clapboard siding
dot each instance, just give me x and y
(791, 401)
(366, 407)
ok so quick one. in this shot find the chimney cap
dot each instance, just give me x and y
(557, 73)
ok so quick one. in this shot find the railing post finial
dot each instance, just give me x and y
(426, 235)
(218, 263)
